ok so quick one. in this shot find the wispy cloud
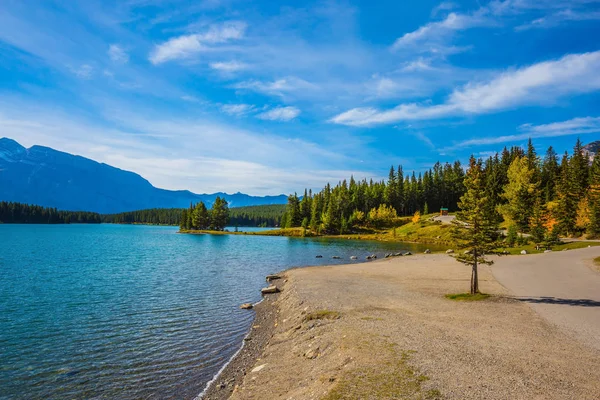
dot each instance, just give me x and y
(558, 18)
(228, 66)
(434, 36)
(117, 54)
(84, 71)
(237, 109)
(279, 87)
(443, 7)
(575, 126)
(280, 114)
(538, 84)
(188, 45)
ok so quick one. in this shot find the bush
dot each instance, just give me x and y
(382, 216)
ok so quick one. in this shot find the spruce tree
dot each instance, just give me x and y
(219, 214)
(549, 175)
(200, 217)
(594, 198)
(479, 235)
(566, 188)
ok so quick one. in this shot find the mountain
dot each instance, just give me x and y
(591, 149)
(47, 177)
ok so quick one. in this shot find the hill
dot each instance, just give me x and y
(51, 178)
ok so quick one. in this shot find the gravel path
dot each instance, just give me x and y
(397, 336)
(561, 286)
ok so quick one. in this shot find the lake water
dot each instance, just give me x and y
(130, 312)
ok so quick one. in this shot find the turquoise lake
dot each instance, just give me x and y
(129, 312)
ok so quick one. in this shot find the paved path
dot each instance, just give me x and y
(562, 287)
(445, 219)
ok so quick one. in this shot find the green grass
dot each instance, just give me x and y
(322, 314)
(566, 246)
(467, 296)
(597, 261)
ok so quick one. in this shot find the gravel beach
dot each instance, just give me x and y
(384, 330)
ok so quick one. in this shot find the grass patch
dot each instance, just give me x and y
(467, 296)
(530, 248)
(597, 261)
(322, 314)
(393, 379)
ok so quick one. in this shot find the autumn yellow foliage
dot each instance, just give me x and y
(417, 217)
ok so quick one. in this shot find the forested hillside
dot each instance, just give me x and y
(541, 195)
(153, 216)
(17, 213)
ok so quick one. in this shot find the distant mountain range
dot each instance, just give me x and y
(47, 177)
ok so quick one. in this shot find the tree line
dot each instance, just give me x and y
(18, 213)
(154, 216)
(349, 204)
(198, 217)
(538, 195)
(12, 212)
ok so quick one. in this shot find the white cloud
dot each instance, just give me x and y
(419, 64)
(538, 84)
(575, 126)
(117, 54)
(280, 114)
(188, 45)
(442, 7)
(228, 66)
(237, 109)
(175, 153)
(84, 71)
(279, 87)
(434, 35)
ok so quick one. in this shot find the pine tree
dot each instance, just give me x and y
(549, 175)
(594, 198)
(219, 214)
(480, 234)
(566, 210)
(537, 221)
(579, 171)
(183, 220)
(200, 217)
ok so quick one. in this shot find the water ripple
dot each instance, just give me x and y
(130, 312)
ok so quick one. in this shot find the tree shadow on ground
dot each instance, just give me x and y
(556, 300)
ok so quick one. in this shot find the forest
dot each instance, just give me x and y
(264, 215)
(151, 216)
(529, 193)
(13, 213)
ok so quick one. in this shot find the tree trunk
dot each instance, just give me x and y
(474, 277)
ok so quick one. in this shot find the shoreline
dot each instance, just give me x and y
(232, 374)
(312, 337)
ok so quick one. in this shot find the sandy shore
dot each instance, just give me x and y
(385, 330)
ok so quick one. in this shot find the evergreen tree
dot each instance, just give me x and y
(566, 210)
(200, 217)
(549, 175)
(594, 198)
(579, 172)
(294, 216)
(480, 234)
(219, 214)
(183, 220)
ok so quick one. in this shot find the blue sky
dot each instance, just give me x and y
(270, 97)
